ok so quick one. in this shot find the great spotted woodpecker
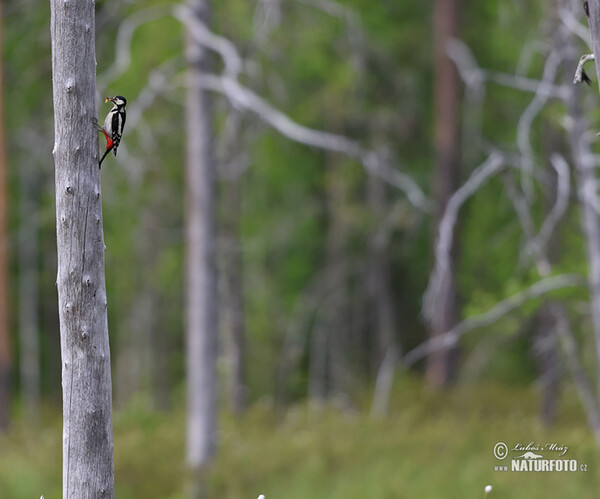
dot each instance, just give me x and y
(113, 125)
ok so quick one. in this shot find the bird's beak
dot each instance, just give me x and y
(112, 99)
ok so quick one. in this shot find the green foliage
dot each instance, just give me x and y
(368, 76)
(430, 445)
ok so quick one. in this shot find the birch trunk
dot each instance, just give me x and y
(88, 470)
(201, 306)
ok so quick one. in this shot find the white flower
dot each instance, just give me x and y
(261, 496)
(488, 489)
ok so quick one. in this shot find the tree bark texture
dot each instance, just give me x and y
(5, 357)
(441, 363)
(88, 470)
(586, 182)
(201, 306)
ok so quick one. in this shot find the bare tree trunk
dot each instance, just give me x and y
(381, 300)
(29, 358)
(585, 177)
(545, 348)
(5, 363)
(328, 369)
(87, 394)
(201, 306)
(232, 299)
(441, 363)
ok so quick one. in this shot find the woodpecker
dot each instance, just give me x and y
(114, 123)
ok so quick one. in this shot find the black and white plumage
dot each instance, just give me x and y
(114, 124)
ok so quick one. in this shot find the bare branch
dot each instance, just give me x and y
(123, 41)
(563, 188)
(205, 37)
(383, 383)
(267, 16)
(541, 287)
(568, 19)
(432, 297)
(525, 122)
(521, 207)
(580, 74)
(241, 96)
(580, 378)
(371, 161)
(472, 74)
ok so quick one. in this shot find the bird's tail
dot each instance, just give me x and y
(104, 156)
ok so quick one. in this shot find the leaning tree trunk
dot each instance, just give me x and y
(201, 305)
(87, 405)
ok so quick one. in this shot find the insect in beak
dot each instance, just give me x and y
(112, 99)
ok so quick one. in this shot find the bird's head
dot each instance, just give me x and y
(117, 100)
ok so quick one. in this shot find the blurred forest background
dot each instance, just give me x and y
(408, 247)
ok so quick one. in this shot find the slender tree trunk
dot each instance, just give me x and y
(545, 348)
(5, 363)
(381, 300)
(29, 335)
(232, 297)
(87, 395)
(201, 306)
(441, 363)
(328, 370)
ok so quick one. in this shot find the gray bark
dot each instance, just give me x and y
(201, 305)
(587, 185)
(86, 380)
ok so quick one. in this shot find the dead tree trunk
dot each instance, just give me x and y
(441, 363)
(232, 295)
(586, 182)
(379, 286)
(201, 305)
(4, 324)
(86, 380)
